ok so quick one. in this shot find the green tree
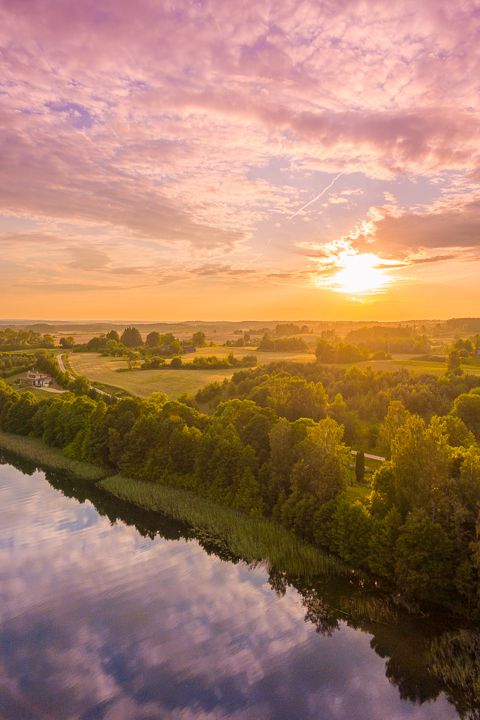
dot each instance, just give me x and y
(383, 542)
(360, 466)
(454, 363)
(395, 418)
(176, 363)
(175, 348)
(420, 461)
(131, 337)
(199, 339)
(352, 530)
(113, 335)
(322, 467)
(325, 352)
(67, 342)
(467, 408)
(153, 339)
(423, 565)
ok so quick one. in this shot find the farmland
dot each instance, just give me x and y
(173, 383)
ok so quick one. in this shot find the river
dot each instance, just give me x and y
(103, 618)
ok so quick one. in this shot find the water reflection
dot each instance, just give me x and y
(114, 621)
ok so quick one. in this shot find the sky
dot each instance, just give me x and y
(211, 159)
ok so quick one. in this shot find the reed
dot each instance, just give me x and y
(455, 659)
(251, 538)
(37, 451)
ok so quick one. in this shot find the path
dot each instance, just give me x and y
(372, 457)
(64, 369)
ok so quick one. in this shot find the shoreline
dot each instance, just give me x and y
(251, 538)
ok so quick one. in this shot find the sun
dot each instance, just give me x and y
(360, 275)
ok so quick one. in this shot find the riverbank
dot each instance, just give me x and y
(37, 451)
(250, 538)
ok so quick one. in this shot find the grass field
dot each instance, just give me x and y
(173, 383)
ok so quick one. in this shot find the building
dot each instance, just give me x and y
(37, 379)
(189, 348)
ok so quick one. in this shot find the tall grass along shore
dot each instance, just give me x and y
(37, 451)
(252, 539)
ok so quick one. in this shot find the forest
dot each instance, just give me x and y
(274, 442)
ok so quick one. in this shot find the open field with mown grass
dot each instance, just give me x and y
(173, 383)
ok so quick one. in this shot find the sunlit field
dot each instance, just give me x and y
(173, 383)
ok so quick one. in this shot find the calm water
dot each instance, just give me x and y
(100, 622)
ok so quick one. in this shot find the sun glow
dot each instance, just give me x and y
(358, 273)
(361, 274)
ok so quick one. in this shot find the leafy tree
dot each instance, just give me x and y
(325, 352)
(153, 339)
(199, 339)
(322, 467)
(383, 542)
(423, 565)
(420, 462)
(176, 363)
(131, 337)
(395, 418)
(67, 342)
(79, 386)
(454, 363)
(457, 433)
(175, 348)
(360, 466)
(113, 335)
(352, 530)
(467, 408)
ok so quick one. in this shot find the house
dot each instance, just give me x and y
(189, 348)
(37, 379)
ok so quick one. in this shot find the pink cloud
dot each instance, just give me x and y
(160, 124)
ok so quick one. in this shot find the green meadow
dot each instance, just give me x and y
(173, 383)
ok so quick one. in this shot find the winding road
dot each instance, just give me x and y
(62, 367)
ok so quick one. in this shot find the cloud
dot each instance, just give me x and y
(451, 222)
(182, 139)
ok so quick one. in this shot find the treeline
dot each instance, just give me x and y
(357, 399)
(401, 339)
(211, 362)
(341, 353)
(11, 339)
(287, 329)
(156, 344)
(14, 363)
(286, 344)
(418, 532)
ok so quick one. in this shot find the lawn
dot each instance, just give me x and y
(173, 383)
